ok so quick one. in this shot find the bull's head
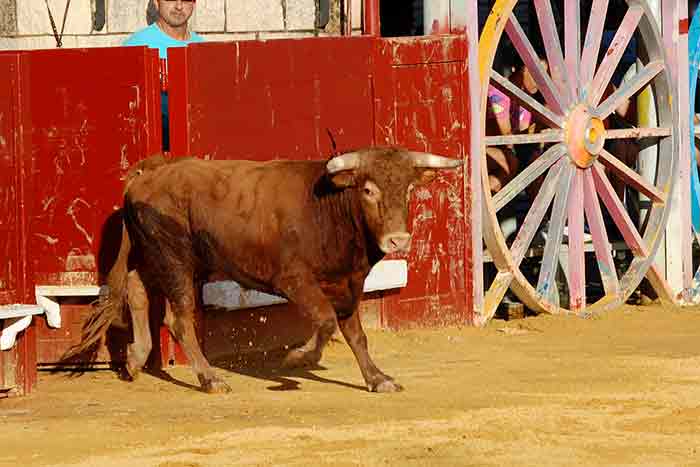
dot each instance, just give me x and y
(383, 177)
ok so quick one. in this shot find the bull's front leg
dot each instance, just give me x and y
(302, 289)
(351, 327)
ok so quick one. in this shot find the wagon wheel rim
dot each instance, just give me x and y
(574, 165)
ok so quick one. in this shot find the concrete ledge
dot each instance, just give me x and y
(387, 274)
(19, 311)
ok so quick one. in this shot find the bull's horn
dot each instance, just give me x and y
(427, 160)
(347, 161)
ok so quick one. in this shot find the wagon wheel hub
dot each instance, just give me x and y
(585, 136)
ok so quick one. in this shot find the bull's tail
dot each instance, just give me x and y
(107, 309)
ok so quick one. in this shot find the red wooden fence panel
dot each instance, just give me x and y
(81, 118)
(96, 118)
(261, 100)
(17, 366)
(277, 99)
(421, 104)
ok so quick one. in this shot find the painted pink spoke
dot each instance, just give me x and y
(603, 249)
(572, 43)
(614, 54)
(637, 133)
(618, 212)
(631, 177)
(528, 175)
(536, 213)
(550, 38)
(629, 88)
(546, 285)
(554, 136)
(541, 112)
(532, 62)
(594, 35)
(577, 265)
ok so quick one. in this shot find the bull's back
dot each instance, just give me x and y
(236, 212)
(232, 182)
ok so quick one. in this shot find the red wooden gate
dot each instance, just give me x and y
(422, 104)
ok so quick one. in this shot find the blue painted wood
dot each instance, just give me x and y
(694, 62)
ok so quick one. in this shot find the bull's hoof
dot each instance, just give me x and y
(129, 373)
(301, 359)
(215, 386)
(385, 385)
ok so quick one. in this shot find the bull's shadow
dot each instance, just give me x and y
(254, 343)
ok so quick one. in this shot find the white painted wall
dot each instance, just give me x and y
(27, 25)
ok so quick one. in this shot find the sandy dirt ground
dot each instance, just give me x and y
(621, 389)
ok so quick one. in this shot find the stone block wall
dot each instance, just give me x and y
(25, 24)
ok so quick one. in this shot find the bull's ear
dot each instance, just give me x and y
(343, 179)
(424, 176)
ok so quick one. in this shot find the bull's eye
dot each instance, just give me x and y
(371, 191)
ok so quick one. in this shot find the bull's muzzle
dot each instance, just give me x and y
(394, 242)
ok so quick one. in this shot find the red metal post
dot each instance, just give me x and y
(370, 23)
(164, 75)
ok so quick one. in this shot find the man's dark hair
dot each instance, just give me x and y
(151, 13)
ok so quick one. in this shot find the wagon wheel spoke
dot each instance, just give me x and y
(546, 286)
(572, 44)
(614, 54)
(594, 36)
(631, 177)
(528, 175)
(601, 245)
(618, 212)
(534, 216)
(629, 88)
(541, 112)
(552, 47)
(638, 133)
(498, 289)
(527, 53)
(577, 265)
(553, 136)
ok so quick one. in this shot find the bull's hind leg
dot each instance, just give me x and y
(357, 340)
(137, 352)
(180, 321)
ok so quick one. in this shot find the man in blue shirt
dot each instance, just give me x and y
(170, 29)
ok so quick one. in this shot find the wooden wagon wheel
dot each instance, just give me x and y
(577, 169)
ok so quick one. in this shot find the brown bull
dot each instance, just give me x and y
(306, 230)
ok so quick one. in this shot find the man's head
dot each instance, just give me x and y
(173, 13)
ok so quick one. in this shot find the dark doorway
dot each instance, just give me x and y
(401, 17)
